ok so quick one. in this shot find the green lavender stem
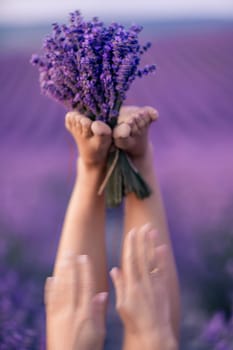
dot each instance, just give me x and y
(124, 179)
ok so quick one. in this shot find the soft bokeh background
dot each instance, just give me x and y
(193, 91)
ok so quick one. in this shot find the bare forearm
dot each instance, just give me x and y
(84, 225)
(139, 212)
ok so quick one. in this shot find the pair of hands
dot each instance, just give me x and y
(76, 314)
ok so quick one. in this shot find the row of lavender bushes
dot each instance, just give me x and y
(192, 143)
(206, 285)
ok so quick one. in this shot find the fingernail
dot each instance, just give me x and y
(146, 227)
(51, 281)
(82, 259)
(102, 297)
(153, 234)
(131, 233)
(114, 272)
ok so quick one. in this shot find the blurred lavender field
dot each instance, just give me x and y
(193, 91)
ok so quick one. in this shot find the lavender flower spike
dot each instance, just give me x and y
(89, 67)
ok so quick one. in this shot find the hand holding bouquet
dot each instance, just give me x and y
(89, 67)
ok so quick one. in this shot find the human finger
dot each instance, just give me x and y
(129, 258)
(48, 289)
(53, 294)
(62, 264)
(118, 282)
(142, 250)
(160, 284)
(153, 241)
(99, 305)
(159, 272)
(127, 112)
(152, 113)
(161, 257)
(85, 277)
(66, 274)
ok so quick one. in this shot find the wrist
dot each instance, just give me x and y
(150, 341)
(144, 162)
(90, 173)
(134, 341)
(90, 167)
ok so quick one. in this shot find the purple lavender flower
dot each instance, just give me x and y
(218, 333)
(90, 67)
(21, 312)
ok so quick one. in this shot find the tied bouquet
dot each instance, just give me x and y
(89, 67)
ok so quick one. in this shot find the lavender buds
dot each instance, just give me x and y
(89, 67)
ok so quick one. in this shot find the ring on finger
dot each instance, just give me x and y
(155, 270)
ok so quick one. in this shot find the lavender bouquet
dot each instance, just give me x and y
(89, 67)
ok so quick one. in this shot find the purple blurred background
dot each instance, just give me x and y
(193, 91)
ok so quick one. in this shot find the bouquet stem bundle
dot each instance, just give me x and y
(89, 67)
(122, 178)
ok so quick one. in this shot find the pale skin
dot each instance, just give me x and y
(78, 236)
(141, 292)
(94, 140)
(75, 316)
(132, 136)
